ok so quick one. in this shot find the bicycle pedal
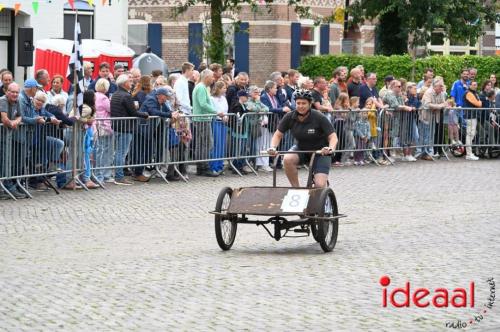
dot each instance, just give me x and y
(301, 230)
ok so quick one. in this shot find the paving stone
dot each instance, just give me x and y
(145, 257)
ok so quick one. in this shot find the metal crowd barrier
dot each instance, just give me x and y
(32, 154)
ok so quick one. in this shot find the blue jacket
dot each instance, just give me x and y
(27, 108)
(279, 103)
(59, 114)
(152, 107)
(413, 101)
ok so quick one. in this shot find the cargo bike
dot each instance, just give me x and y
(279, 210)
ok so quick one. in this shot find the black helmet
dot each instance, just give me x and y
(303, 94)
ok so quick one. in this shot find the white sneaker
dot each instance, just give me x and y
(146, 173)
(405, 158)
(110, 180)
(411, 158)
(247, 169)
(471, 157)
(265, 168)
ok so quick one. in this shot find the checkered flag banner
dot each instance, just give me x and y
(75, 65)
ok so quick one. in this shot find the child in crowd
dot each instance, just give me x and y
(326, 102)
(362, 135)
(453, 126)
(409, 130)
(371, 110)
(87, 117)
(340, 113)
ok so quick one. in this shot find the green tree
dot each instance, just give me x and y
(461, 20)
(215, 36)
(390, 37)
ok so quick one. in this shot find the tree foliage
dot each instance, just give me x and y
(390, 37)
(215, 36)
(461, 20)
(401, 66)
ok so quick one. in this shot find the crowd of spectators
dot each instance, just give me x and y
(217, 112)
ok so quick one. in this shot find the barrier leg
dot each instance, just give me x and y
(6, 191)
(23, 189)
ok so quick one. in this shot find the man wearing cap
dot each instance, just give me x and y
(154, 105)
(25, 100)
(203, 139)
(239, 135)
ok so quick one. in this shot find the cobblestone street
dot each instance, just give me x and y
(145, 257)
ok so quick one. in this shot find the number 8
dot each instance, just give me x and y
(295, 201)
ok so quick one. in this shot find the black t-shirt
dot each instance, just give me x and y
(317, 97)
(353, 89)
(312, 133)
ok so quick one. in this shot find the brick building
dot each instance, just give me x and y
(266, 41)
(269, 40)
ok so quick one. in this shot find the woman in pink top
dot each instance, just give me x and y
(104, 133)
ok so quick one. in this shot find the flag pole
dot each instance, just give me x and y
(77, 115)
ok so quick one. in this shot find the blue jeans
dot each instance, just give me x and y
(68, 139)
(87, 150)
(54, 148)
(104, 157)
(122, 144)
(425, 138)
(238, 149)
(219, 134)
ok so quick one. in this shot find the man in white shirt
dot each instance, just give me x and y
(181, 88)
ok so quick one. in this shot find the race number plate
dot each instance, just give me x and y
(295, 200)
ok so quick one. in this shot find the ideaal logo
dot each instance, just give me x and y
(439, 298)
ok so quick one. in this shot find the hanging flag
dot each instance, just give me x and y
(91, 3)
(339, 14)
(34, 4)
(75, 65)
(72, 4)
(17, 7)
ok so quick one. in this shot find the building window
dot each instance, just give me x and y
(85, 16)
(5, 23)
(309, 40)
(441, 45)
